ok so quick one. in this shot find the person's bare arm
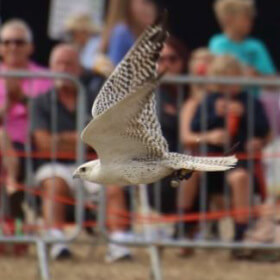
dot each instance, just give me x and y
(253, 73)
(14, 95)
(65, 141)
(187, 137)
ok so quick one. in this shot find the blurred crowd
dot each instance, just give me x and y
(211, 118)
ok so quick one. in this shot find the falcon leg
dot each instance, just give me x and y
(180, 175)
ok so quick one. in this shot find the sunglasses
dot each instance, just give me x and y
(172, 58)
(15, 42)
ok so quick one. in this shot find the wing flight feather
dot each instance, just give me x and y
(125, 123)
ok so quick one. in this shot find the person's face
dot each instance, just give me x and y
(65, 61)
(242, 24)
(233, 89)
(143, 12)
(170, 62)
(200, 64)
(80, 37)
(15, 49)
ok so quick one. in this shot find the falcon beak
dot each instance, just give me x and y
(76, 175)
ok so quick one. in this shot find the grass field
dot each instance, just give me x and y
(88, 263)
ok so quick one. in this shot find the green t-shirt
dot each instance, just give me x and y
(251, 52)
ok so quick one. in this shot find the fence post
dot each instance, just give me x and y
(153, 250)
(43, 260)
(40, 242)
(155, 263)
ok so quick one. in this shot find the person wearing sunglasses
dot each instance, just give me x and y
(173, 60)
(16, 48)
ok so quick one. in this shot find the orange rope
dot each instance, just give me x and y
(71, 155)
(126, 218)
(44, 155)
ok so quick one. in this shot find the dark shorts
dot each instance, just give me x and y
(13, 205)
(164, 198)
(19, 147)
(216, 181)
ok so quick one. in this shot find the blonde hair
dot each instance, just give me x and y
(18, 24)
(224, 64)
(225, 8)
(80, 22)
(200, 52)
(197, 55)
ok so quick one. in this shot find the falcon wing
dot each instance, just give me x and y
(136, 70)
(125, 124)
(129, 130)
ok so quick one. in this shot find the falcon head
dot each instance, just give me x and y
(87, 171)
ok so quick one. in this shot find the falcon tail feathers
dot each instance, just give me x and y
(208, 164)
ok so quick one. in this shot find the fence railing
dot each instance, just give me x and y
(154, 229)
(151, 227)
(30, 231)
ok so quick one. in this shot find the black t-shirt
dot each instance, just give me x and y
(169, 116)
(46, 106)
(260, 125)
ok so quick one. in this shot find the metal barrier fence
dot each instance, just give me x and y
(153, 229)
(30, 231)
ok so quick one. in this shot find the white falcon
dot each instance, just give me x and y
(125, 131)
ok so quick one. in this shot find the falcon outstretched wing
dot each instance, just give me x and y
(125, 124)
(136, 70)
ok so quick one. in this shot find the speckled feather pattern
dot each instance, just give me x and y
(146, 128)
(180, 161)
(125, 130)
(136, 70)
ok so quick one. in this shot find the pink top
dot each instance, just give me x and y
(17, 117)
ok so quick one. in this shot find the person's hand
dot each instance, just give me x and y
(103, 65)
(14, 90)
(254, 145)
(250, 72)
(236, 108)
(217, 137)
(11, 185)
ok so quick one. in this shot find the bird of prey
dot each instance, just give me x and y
(125, 131)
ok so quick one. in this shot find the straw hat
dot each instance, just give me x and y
(80, 22)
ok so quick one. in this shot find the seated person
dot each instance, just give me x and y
(16, 48)
(227, 124)
(55, 178)
(199, 63)
(173, 60)
(198, 66)
(84, 34)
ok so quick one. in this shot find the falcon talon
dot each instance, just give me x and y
(188, 176)
(175, 183)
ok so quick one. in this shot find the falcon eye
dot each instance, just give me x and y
(83, 169)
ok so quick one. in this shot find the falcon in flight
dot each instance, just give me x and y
(125, 131)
